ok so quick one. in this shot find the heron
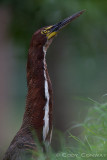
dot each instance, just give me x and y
(38, 117)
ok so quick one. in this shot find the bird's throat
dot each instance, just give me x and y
(38, 114)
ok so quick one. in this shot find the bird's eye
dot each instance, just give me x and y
(45, 31)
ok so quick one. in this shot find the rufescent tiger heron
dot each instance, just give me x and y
(38, 113)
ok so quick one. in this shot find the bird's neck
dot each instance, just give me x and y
(38, 113)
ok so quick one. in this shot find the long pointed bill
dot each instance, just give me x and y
(57, 27)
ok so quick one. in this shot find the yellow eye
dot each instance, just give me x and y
(44, 31)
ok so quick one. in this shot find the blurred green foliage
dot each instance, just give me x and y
(92, 143)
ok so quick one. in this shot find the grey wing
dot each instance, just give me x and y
(22, 151)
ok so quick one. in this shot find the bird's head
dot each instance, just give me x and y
(45, 35)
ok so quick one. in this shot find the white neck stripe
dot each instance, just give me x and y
(46, 107)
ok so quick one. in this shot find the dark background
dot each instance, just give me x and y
(77, 60)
